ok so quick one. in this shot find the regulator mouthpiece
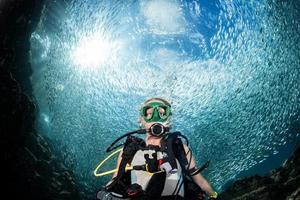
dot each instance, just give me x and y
(158, 130)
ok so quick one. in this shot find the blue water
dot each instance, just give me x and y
(230, 69)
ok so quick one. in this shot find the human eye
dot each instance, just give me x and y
(149, 111)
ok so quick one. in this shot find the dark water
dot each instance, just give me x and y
(230, 68)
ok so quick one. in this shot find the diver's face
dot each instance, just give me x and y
(149, 112)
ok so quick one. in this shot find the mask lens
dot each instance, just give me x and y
(147, 112)
(163, 112)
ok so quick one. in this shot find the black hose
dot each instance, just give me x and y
(111, 147)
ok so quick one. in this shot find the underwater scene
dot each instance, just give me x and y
(230, 70)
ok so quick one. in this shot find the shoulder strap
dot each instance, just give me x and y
(131, 146)
(168, 147)
(180, 154)
(173, 146)
(184, 162)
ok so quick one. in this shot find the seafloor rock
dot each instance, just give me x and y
(29, 169)
(280, 184)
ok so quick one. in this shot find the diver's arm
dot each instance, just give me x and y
(198, 178)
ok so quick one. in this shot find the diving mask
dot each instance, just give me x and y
(156, 112)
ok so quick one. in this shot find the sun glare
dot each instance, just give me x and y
(93, 52)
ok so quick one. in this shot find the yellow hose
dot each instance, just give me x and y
(110, 171)
(128, 167)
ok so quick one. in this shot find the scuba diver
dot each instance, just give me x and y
(160, 167)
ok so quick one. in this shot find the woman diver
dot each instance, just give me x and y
(159, 167)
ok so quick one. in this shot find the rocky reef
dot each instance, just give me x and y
(29, 167)
(280, 184)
